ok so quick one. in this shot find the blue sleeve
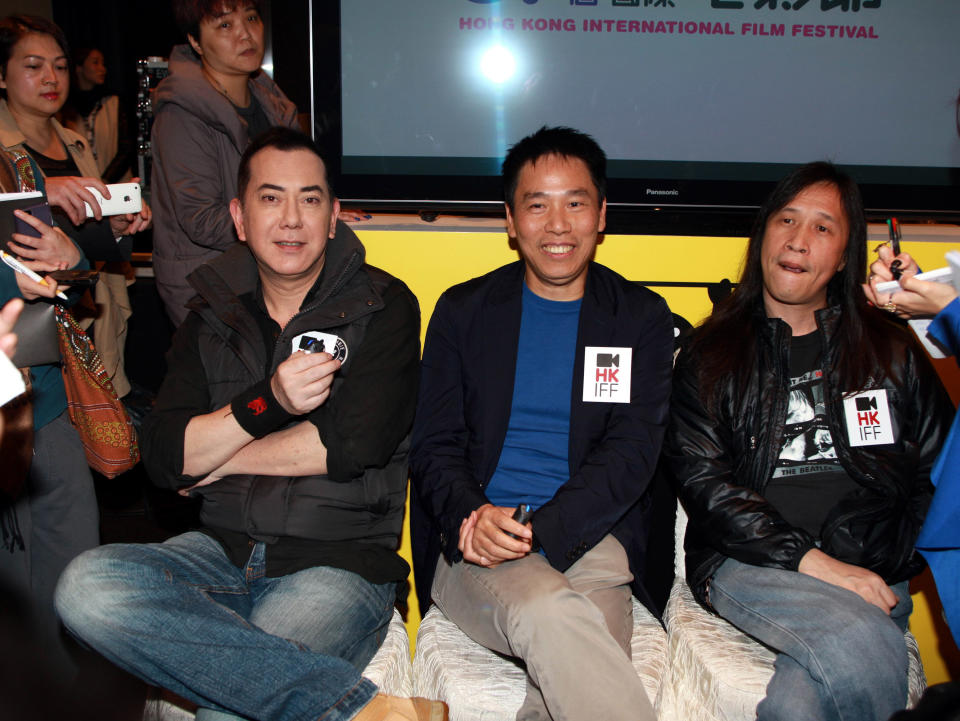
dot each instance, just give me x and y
(946, 327)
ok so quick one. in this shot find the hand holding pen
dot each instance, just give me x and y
(30, 283)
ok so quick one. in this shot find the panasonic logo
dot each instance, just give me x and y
(653, 191)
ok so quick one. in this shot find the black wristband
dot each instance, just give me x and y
(257, 410)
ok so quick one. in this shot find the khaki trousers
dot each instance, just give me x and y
(572, 630)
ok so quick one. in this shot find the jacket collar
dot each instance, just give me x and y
(220, 282)
(827, 321)
(235, 272)
(11, 135)
(510, 286)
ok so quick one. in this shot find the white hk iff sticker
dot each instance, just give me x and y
(314, 341)
(606, 374)
(868, 419)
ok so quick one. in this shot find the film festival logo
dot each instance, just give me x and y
(869, 422)
(867, 417)
(608, 366)
(606, 374)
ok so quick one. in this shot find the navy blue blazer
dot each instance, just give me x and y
(466, 391)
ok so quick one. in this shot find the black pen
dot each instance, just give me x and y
(894, 230)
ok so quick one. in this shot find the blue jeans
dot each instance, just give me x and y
(839, 657)
(180, 615)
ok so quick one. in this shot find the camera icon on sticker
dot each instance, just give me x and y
(314, 341)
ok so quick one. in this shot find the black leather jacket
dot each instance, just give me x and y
(721, 461)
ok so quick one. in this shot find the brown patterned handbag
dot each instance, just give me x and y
(103, 424)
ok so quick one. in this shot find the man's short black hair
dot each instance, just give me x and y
(189, 13)
(562, 141)
(279, 138)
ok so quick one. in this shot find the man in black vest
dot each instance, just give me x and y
(289, 396)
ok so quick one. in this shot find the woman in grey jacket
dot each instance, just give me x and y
(213, 101)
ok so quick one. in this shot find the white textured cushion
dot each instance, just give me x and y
(480, 685)
(718, 673)
(390, 669)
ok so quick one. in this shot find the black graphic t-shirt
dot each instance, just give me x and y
(808, 480)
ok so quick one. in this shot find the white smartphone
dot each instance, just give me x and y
(124, 198)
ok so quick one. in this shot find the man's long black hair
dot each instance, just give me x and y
(725, 344)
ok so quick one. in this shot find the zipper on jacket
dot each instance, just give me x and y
(778, 415)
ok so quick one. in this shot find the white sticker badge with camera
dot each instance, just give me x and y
(606, 374)
(314, 341)
(868, 418)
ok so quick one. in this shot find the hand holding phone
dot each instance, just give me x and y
(41, 211)
(522, 514)
(69, 193)
(124, 199)
(49, 246)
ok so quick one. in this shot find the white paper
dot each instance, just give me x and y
(11, 382)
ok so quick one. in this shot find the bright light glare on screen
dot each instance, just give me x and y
(498, 64)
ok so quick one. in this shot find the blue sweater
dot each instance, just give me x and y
(533, 463)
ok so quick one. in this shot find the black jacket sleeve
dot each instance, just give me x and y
(362, 424)
(182, 395)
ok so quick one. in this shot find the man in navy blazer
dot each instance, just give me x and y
(544, 384)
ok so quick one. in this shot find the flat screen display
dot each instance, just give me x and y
(697, 103)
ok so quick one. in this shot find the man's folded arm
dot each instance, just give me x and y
(183, 395)
(184, 442)
(293, 451)
(371, 412)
